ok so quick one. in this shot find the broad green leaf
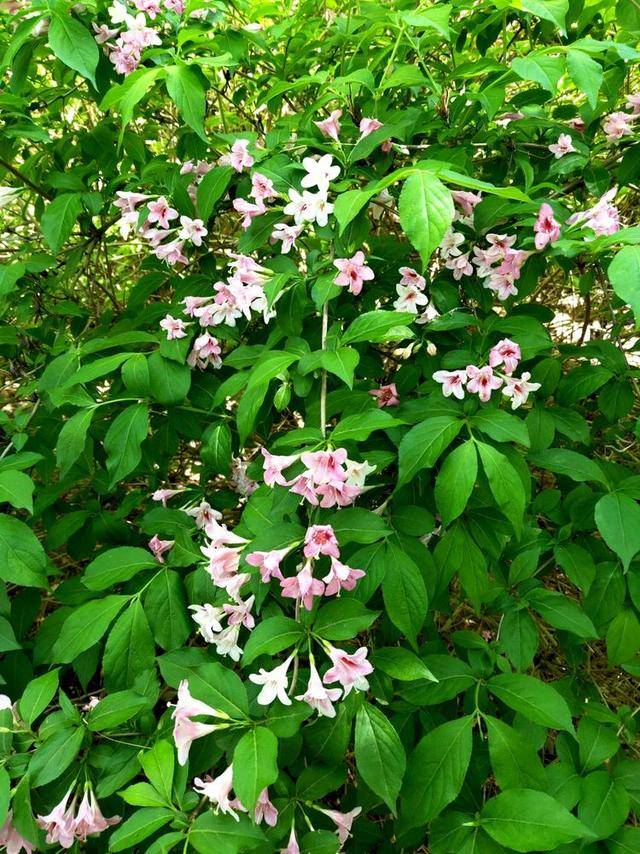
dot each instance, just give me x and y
(618, 520)
(16, 488)
(561, 612)
(549, 10)
(357, 428)
(211, 189)
(122, 442)
(37, 695)
(218, 450)
(169, 382)
(505, 484)
(401, 664)
(115, 709)
(223, 835)
(624, 275)
(527, 820)
(117, 565)
(166, 609)
(8, 640)
(186, 90)
(22, 558)
(55, 755)
(357, 525)
(270, 636)
(59, 217)
(254, 765)
(380, 757)
(623, 637)
(514, 759)
(404, 594)
(158, 764)
(423, 444)
(597, 743)
(538, 701)
(435, 18)
(139, 826)
(455, 481)
(540, 68)
(435, 772)
(72, 439)
(212, 683)
(568, 463)
(129, 650)
(604, 804)
(85, 626)
(425, 208)
(377, 326)
(74, 44)
(586, 73)
(342, 619)
(501, 426)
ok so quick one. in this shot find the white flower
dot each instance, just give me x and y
(208, 619)
(319, 172)
(274, 683)
(317, 696)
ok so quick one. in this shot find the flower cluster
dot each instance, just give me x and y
(64, 825)
(603, 218)
(125, 52)
(484, 380)
(411, 295)
(11, 840)
(329, 477)
(500, 264)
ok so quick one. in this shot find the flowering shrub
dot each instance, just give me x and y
(319, 522)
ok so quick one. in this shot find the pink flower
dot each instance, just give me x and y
(343, 822)
(349, 670)
(386, 395)
(174, 327)
(164, 495)
(546, 228)
(317, 696)
(274, 683)
(326, 467)
(460, 265)
(268, 563)
(89, 818)
(248, 210)
(302, 586)
(577, 124)
(273, 467)
(288, 234)
(320, 172)
(330, 126)
(603, 217)
(217, 791)
(412, 278)
(239, 157)
(171, 253)
(103, 33)
(158, 547)
(203, 514)
(292, 847)
(633, 102)
(206, 351)
(265, 810)
(185, 731)
(368, 126)
(11, 840)
(304, 486)
(341, 494)
(128, 201)
(353, 272)
(409, 298)
(60, 823)
(320, 540)
(239, 613)
(483, 381)
(506, 353)
(341, 577)
(518, 389)
(262, 188)
(453, 382)
(563, 146)
(506, 118)
(192, 229)
(617, 125)
(161, 212)
(207, 617)
(466, 201)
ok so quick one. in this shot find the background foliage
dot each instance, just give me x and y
(501, 594)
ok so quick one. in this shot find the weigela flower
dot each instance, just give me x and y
(158, 547)
(453, 382)
(161, 212)
(321, 540)
(546, 228)
(265, 810)
(460, 266)
(238, 157)
(341, 577)
(206, 351)
(303, 587)
(60, 822)
(507, 353)
(617, 125)
(343, 821)
(11, 840)
(353, 273)
(274, 466)
(208, 618)
(239, 613)
(412, 277)
(317, 696)
(482, 381)
(217, 791)
(192, 229)
(518, 389)
(330, 126)
(409, 298)
(386, 395)
(164, 495)
(262, 188)
(89, 818)
(349, 670)
(203, 514)
(268, 563)
(185, 731)
(288, 234)
(449, 246)
(175, 327)
(249, 210)
(564, 145)
(274, 683)
(320, 172)
(292, 846)
(368, 126)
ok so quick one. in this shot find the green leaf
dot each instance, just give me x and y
(55, 755)
(115, 709)
(586, 73)
(542, 69)
(271, 636)
(186, 90)
(519, 638)
(401, 664)
(22, 558)
(59, 217)
(223, 835)
(423, 444)
(166, 610)
(211, 189)
(357, 525)
(72, 439)
(604, 804)
(380, 757)
(378, 326)
(8, 640)
(618, 520)
(436, 771)
(624, 275)
(129, 650)
(514, 759)
(561, 612)
(74, 45)
(37, 695)
(357, 428)
(139, 826)
(122, 442)
(505, 484)
(404, 593)
(526, 820)
(623, 637)
(158, 764)
(16, 488)
(212, 683)
(218, 450)
(597, 743)
(577, 564)
(124, 96)
(425, 208)
(348, 205)
(342, 619)
(501, 426)
(5, 788)
(549, 10)
(85, 626)
(455, 481)
(536, 700)
(436, 18)
(568, 463)
(117, 565)
(254, 765)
